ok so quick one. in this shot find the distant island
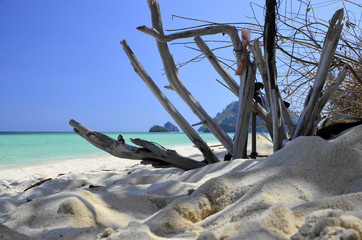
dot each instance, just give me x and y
(227, 120)
(167, 127)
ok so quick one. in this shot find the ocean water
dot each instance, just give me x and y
(18, 149)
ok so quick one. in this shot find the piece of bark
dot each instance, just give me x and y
(37, 184)
(119, 148)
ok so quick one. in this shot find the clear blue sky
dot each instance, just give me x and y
(61, 60)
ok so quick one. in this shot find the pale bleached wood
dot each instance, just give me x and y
(264, 116)
(260, 63)
(333, 87)
(229, 80)
(176, 115)
(177, 85)
(210, 30)
(148, 152)
(309, 115)
(246, 96)
(231, 31)
(287, 119)
(323, 101)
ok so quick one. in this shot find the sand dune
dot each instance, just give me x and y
(311, 189)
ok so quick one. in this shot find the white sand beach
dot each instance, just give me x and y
(311, 189)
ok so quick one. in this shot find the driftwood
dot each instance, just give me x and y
(263, 115)
(260, 63)
(324, 99)
(270, 66)
(210, 30)
(331, 89)
(37, 184)
(309, 118)
(229, 80)
(176, 115)
(259, 60)
(249, 100)
(149, 152)
(177, 85)
(245, 107)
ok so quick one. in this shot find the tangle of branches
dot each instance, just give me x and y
(299, 42)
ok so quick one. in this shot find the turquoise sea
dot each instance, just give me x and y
(18, 149)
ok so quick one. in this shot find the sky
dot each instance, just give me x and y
(61, 60)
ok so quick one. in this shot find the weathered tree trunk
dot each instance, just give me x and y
(149, 152)
(324, 99)
(176, 84)
(246, 96)
(260, 63)
(310, 115)
(270, 64)
(179, 119)
(259, 60)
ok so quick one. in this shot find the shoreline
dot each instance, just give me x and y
(101, 155)
(188, 150)
(21, 150)
(52, 168)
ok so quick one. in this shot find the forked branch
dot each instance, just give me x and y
(149, 152)
(177, 85)
(176, 115)
(310, 115)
